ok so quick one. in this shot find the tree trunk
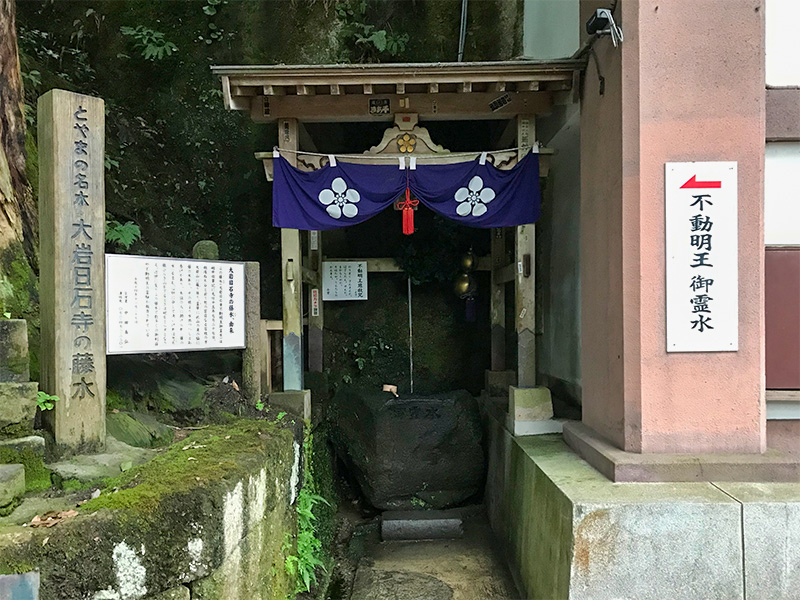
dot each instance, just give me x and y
(18, 215)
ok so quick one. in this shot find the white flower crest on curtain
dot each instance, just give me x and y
(473, 198)
(340, 200)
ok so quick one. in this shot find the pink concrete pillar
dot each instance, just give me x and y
(687, 84)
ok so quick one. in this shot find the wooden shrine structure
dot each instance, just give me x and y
(403, 95)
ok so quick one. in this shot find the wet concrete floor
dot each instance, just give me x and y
(469, 568)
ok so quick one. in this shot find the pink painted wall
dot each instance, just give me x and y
(687, 84)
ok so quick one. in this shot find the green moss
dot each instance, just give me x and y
(37, 475)
(219, 453)
(20, 291)
(16, 430)
(115, 401)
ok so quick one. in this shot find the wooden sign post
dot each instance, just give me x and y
(72, 234)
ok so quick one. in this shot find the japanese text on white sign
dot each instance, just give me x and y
(702, 257)
(344, 280)
(171, 305)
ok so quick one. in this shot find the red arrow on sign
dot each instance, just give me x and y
(693, 183)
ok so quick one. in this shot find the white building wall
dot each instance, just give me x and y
(782, 193)
(551, 28)
(782, 42)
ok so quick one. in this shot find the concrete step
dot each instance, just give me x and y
(12, 483)
(421, 525)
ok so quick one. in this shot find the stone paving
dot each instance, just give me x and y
(469, 568)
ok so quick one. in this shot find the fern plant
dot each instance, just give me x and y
(309, 547)
(122, 234)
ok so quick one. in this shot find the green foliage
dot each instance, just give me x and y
(45, 401)
(211, 7)
(309, 555)
(122, 234)
(152, 44)
(368, 41)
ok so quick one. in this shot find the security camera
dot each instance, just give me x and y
(598, 21)
(602, 23)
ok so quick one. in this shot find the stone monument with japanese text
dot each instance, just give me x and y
(72, 242)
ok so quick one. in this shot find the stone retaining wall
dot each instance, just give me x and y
(210, 519)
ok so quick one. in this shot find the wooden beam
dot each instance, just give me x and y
(525, 277)
(528, 86)
(433, 88)
(497, 301)
(466, 87)
(504, 274)
(316, 323)
(291, 263)
(367, 88)
(252, 357)
(306, 90)
(266, 359)
(336, 90)
(499, 86)
(400, 89)
(273, 90)
(439, 106)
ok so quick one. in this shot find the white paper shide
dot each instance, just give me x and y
(156, 304)
(702, 257)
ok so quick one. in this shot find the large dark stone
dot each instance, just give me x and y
(410, 452)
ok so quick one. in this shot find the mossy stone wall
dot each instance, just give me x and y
(213, 507)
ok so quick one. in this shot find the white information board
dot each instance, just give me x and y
(344, 280)
(158, 304)
(702, 245)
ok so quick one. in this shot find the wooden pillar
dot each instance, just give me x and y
(315, 317)
(525, 279)
(291, 277)
(252, 358)
(497, 301)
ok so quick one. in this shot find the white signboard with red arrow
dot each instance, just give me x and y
(702, 257)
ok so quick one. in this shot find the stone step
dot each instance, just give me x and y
(17, 403)
(34, 443)
(12, 483)
(421, 525)
(14, 360)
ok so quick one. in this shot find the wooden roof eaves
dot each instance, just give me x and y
(402, 69)
(399, 73)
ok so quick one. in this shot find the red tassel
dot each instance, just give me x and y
(408, 213)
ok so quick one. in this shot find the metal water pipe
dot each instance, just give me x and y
(462, 37)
